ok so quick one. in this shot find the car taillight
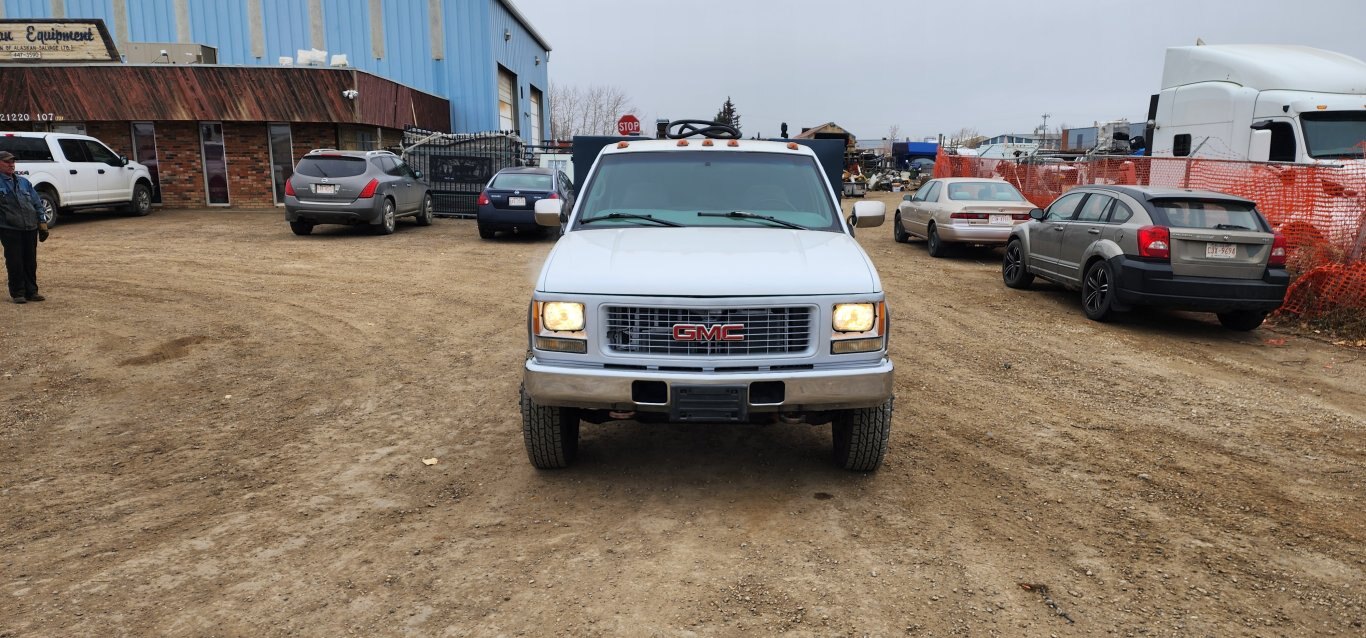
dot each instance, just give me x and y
(553, 196)
(289, 188)
(483, 199)
(1154, 242)
(369, 190)
(968, 216)
(1020, 216)
(1277, 257)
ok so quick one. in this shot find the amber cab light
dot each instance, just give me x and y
(289, 188)
(1277, 257)
(483, 199)
(1154, 242)
(369, 190)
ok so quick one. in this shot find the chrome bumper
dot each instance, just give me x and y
(804, 390)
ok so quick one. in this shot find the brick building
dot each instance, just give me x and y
(218, 135)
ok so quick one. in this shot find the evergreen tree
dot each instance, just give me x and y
(727, 115)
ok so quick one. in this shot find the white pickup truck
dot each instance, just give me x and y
(708, 279)
(77, 171)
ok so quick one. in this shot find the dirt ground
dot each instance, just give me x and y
(215, 428)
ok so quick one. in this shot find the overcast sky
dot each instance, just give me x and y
(927, 67)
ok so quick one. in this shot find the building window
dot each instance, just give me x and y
(535, 108)
(1181, 145)
(145, 153)
(507, 101)
(281, 159)
(215, 162)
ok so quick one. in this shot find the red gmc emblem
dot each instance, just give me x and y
(703, 332)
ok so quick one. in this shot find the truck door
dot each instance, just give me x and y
(115, 180)
(82, 173)
(1047, 241)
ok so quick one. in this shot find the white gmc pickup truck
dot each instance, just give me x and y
(708, 279)
(77, 171)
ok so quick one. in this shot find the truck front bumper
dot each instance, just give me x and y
(653, 391)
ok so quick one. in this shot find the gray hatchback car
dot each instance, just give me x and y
(355, 187)
(1128, 246)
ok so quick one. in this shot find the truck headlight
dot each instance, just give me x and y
(562, 316)
(855, 317)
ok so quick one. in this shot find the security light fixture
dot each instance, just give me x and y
(507, 35)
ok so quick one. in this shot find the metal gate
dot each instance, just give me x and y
(457, 166)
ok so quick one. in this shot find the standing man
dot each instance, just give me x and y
(23, 223)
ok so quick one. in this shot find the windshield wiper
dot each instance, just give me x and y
(739, 214)
(1345, 155)
(661, 222)
(1230, 227)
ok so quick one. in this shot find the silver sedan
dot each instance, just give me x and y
(960, 210)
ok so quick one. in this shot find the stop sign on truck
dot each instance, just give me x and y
(628, 125)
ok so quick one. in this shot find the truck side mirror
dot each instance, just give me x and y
(1259, 147)
(548, 212)
(869, 214)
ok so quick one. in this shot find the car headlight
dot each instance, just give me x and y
(855, 317)
(562, 316)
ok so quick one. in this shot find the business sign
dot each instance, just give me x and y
(55, 41)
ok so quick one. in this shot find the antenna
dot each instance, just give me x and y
(1043, 133)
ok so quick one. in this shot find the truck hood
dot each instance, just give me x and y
(708, 262)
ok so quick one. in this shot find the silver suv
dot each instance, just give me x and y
(1128, 246)
(355, 187)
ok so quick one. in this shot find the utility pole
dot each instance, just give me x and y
(1043, 138)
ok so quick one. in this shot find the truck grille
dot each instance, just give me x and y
(633, 330)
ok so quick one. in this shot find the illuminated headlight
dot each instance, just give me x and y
(855, 317)
(562, 316)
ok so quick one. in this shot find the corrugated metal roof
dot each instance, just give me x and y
(211, 92)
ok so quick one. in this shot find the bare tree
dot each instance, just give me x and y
(968, 137)
(893, 134)
(591, 110)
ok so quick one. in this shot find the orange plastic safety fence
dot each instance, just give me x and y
(1320, 209)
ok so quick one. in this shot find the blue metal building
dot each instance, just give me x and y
(481, 55)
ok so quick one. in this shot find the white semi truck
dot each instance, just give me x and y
(1260, 102)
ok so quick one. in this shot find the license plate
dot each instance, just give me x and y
(325, 189)
(516, 201)
(1001, 219)
(1221, 251)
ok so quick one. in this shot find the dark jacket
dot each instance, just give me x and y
(20, 208)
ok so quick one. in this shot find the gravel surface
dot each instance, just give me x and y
(215, 428)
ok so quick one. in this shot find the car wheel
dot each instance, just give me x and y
(141, 204)
(49, 206)
(1098, 291)
(301, 227)
(424, 214)
(1013, 270)
(386, 222)
(1242, 320)
(551, 434)
(485, 232)
(936, 247)
(861, 437)
(899, 232)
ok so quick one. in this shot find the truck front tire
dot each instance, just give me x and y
(861, 437)
(50, 204)
(551, 434)
(141, 204)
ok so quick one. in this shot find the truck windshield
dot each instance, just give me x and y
(675, 186)
(1335, 134)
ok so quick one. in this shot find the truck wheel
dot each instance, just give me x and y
(49, 205)
(301, 227)
(141, 204)
(861, 437)
(551, 434)
(1242, 320)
